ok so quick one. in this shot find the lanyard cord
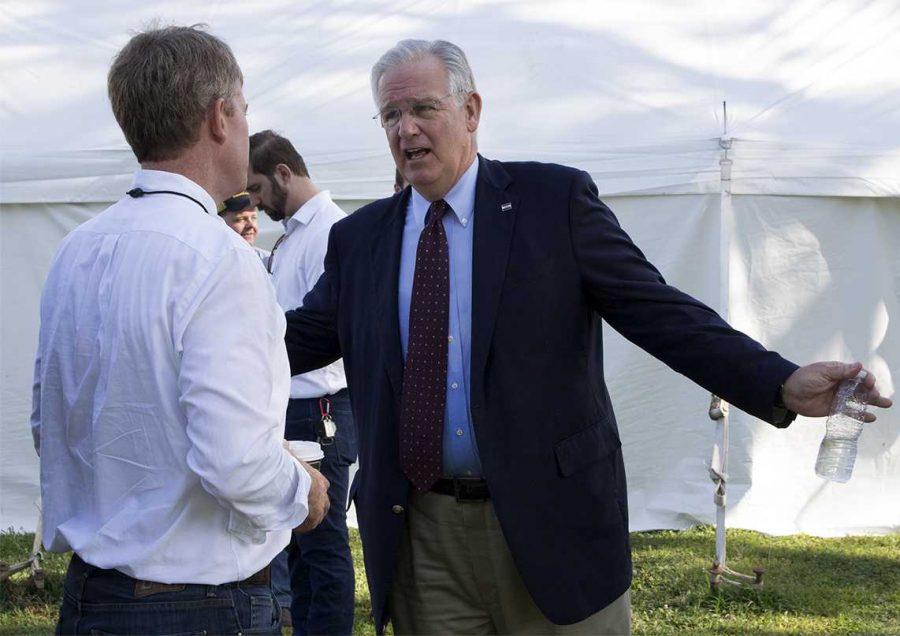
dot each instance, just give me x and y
(270, 260)
(137, 193)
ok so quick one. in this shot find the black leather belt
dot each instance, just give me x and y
(463, 488)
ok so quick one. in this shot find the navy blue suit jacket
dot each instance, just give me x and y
(549, 257)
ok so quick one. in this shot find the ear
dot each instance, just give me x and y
(283, 174)
(473, 111)
(216, 117)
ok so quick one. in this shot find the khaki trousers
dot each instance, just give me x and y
(455, 575)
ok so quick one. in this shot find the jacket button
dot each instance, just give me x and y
(397, 509)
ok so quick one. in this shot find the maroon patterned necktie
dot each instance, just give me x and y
(424, 393)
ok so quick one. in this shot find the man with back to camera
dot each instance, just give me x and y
(159, 423)
(491, 493)
(320, 564)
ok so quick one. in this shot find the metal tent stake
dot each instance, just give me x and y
(719, 572)
(35, 560)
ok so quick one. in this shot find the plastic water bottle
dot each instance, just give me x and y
(837, 453)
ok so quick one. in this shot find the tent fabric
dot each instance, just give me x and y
(751, 149)
(633, 92)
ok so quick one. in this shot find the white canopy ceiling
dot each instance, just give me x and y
(631, 91)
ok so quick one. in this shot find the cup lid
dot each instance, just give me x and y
(307, 451)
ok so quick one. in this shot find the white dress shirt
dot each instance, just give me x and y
(297, 264)
(161, 383)
(263, 255)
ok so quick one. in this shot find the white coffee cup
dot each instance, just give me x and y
(310, 452)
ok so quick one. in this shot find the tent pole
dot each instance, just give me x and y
(718, 408)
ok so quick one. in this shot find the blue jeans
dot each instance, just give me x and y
(98, 602)
(319, 564)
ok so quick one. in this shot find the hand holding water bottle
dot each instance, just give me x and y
(841, 391)
(810, 390)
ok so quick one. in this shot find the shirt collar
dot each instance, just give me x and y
(461, 197)
(307, 211)
(151, 180)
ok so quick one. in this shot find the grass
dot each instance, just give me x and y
(812, 586)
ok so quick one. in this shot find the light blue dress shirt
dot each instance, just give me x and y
(459, 447)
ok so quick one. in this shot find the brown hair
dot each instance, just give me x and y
(268, 149)
(162, 83)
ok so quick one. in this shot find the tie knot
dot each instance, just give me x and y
(436, 212)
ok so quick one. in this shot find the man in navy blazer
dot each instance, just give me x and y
(527, 527)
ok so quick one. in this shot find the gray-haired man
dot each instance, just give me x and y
(491, 495)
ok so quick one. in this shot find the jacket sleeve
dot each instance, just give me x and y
(311, 335)
(632, 296)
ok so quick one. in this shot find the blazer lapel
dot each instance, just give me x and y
(495, 216)
(385, 282)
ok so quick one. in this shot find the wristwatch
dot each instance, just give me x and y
(781, 414)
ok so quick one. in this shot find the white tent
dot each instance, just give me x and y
(751, 148)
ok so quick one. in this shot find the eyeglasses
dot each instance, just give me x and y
(422, 110)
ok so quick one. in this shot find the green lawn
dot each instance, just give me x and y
(812, 586)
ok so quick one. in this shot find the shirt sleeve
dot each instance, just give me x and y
(313, 258)
(233, 383)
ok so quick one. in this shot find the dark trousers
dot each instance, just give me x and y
(98, 601)
(322, 583)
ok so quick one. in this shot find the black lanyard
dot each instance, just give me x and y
(137, 193)
(269, 261)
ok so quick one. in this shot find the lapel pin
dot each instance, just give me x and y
(506, 207)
